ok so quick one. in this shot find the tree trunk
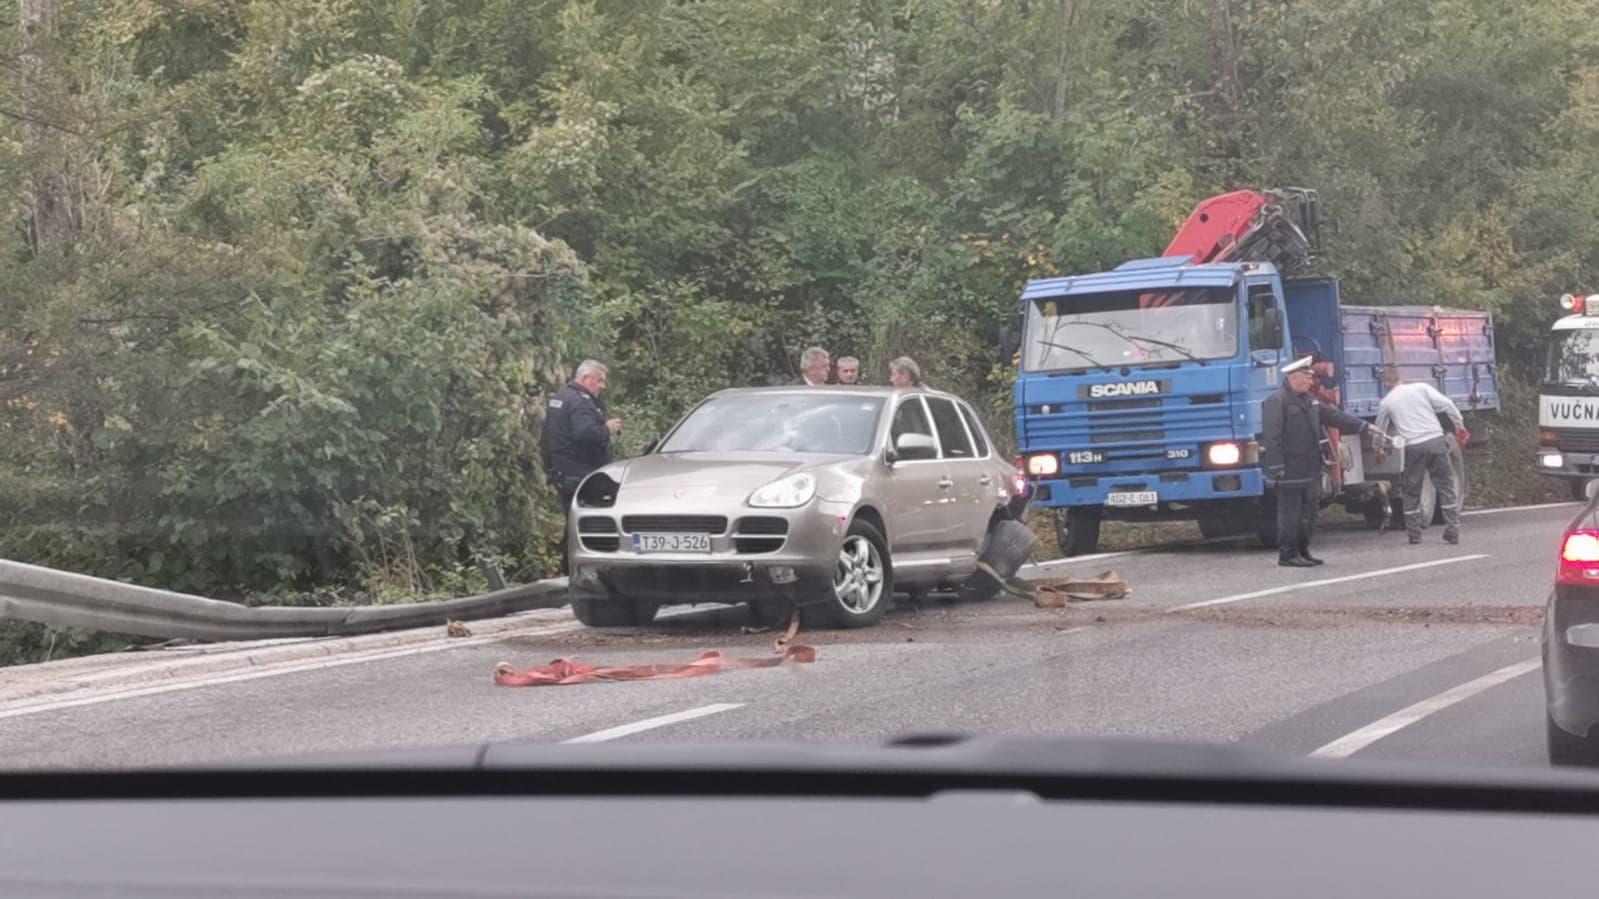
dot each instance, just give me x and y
(52, 204)
(1222, 48)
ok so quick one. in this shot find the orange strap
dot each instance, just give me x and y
(563, 672)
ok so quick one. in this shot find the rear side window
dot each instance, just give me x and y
(976, 429)
(910, 418)
(951, 433)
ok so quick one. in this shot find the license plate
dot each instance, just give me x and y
(1141, 498)
(672, 543)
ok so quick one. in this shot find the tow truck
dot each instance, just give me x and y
(1139, 390)
(1568, 398)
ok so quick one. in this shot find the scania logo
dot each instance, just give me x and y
(1126, 388)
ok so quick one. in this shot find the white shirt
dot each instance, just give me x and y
(1413, 408)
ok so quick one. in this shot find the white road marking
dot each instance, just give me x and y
(1287, 588)
(1349, 744)
(1518, 508)
(626, 730)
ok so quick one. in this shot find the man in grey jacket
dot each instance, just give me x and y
(1412, 410)
(1293, 426)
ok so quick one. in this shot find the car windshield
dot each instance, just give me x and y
(779, 423)
(1573, 359)
(1033, 360)
(1132, 327)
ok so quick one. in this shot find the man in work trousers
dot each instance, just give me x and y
(1294, 424)
(577, 435)
(1413, 410)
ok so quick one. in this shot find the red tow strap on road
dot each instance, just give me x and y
(563, 672)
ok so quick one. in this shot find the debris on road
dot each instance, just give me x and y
(566, 672)
(1060, 592)
(457, 629)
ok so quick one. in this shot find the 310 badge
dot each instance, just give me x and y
(1179, 453)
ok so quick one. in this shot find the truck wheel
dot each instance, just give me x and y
(863, 582)
(1077, 530)
(617, 611)
(1579, 490)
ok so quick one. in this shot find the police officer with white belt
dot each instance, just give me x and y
(1413, 410)
(1293, 426)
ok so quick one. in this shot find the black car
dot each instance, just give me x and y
(1571, 642)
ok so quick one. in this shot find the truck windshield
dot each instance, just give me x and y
(1131, 327)
(1574, 358)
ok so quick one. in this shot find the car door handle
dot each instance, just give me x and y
(985, 480)
(945, 484)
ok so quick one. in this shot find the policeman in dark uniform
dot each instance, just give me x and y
(1293, 425)
(577, 435)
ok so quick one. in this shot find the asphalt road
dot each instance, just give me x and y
(1390, 650)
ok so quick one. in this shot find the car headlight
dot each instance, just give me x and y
(785, 493)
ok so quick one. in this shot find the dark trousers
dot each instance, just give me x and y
(1421, 459)
(1297, 505)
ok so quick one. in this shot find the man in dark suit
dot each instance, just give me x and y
(814, 363)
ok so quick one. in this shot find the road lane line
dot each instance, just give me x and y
(627, 730)
(1351, 743)
(1519, 508)
(1327, 582)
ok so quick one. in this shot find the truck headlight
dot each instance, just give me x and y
(1042, 465)
(1552, 460)
(785, 493)
(1224, 454)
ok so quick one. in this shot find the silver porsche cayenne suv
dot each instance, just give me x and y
(823, 498)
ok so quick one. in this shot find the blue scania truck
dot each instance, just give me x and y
(1139, 391)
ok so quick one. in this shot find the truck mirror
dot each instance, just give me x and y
(1010, 336)
(1591, 488)
(1274, 326)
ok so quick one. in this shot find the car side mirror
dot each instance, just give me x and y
(914, 446)
(1273, 321)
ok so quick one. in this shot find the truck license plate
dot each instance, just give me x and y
(1141, 498)
(672, 543)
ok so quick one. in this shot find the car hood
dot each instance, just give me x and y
(738, 471)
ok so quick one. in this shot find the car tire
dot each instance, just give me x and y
(863, 582)
(1077, 530)
(619, 611)
(1570, 749)
(1006, 548)
(1579, 489)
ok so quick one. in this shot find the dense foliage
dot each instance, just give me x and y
(286, 281)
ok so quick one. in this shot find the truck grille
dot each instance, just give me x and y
(1577, 441)
(679, 524)
(1177, 422)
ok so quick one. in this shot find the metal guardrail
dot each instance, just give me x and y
(64, 599)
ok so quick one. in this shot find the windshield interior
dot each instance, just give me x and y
(1131, 327)
(1573, 359)
(779, 423)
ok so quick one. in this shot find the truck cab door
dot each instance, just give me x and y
(1268, 336)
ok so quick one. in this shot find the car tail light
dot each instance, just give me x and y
(1019, 480)
(1579, 558)
(1043, 465)
(1223, 454)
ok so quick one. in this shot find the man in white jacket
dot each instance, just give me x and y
(1411, 411)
